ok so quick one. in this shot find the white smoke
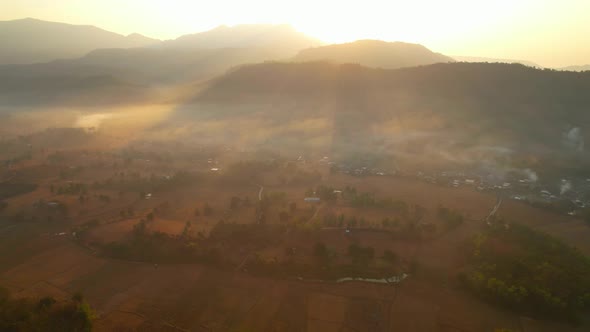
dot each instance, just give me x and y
(574, 139)
(531, 175)
(93, 120)
(565, 186)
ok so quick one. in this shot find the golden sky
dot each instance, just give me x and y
(548, 32)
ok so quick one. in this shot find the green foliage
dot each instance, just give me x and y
(450, 218)
(320, 250)
(72, 188)
(529, 271)
(390, 256)
(46, 314)
(10, 189)
(361, 256)
(325, 193)
(366, 200)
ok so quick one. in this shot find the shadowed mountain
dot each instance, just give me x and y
(32, 41)
(191, 58)
(441, 108)
(282, 37)
(163, 66)
(70, 89)
(374, 53)
(136, 68)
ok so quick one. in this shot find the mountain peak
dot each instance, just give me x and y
(374, 53)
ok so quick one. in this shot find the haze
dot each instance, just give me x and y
(416, 166)
(549, 33)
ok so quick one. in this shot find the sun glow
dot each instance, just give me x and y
(533, 29)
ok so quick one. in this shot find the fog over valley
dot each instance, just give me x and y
(253, 177)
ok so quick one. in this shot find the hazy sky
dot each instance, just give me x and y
(548, 32)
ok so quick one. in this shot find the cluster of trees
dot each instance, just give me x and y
(246, 172)
(158, 247)
(72, 188)
(361, 256)
(332, 220)
(325, 193)
(450, 218)
(325, 266)
(10, 189)
(529, 271)
(207, 209)
(364, 199)
(135, 182)
(45, 314)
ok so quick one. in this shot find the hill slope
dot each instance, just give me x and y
(32, 41)
(443, 107)
(374, 53)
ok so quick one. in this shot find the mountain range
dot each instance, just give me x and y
(70, 54)
(32, 41)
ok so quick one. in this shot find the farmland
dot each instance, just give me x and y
(218, 239)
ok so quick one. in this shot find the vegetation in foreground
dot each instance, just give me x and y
(529, 271)
(45, 314)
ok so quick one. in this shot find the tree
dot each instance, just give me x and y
(186, 230)
(289, 251)
(293, 207)
(246, 201)
(389, 256)
(234, 203)
(320, 250)
(361, 255)
(46, 303)
(207, 210)
(78, 297)
(63, 209)
(284, 216)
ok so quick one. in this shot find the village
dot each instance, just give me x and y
(157, 214)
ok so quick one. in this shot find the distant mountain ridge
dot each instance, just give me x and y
(374, 53)
(576, 68)
(30, 40)
(245, 36)
(494, 60)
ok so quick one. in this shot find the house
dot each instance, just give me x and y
(311, 199)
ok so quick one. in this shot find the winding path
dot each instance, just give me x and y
(260, 192)
(494, 209)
